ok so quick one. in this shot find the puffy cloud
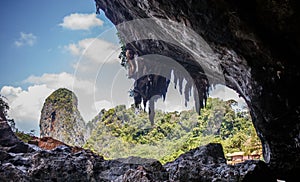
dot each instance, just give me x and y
(53, 80)
(62, 80)
(78, 21)
(26, 39)
(225, 93)
(73, 49)
(103, 104)
(11, 92)
(26, 105)
(95, 50)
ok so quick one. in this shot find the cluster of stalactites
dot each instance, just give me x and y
(152, 81)
(200, 93)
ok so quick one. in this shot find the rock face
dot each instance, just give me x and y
(207, 163)
(61, 120)
(9, 142)
(253, 45)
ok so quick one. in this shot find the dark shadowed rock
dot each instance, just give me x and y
(124, 169)
(8, 140)
(253, 170)
(61, 164)
(207, 163)
(200, 164)
(11, 173)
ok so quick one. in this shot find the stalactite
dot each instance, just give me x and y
(152, 81)
(180, 80)
(175, 80)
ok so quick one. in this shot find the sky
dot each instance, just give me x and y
(46, 45)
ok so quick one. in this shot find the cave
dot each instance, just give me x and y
(249, 46)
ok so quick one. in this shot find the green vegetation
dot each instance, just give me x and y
(25, 137)
(119, 132)
(122, 55)
(63, 98)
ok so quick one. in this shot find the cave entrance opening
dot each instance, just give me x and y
(121, 131)
(178, 127)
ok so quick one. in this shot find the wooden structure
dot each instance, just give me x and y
(238, 157)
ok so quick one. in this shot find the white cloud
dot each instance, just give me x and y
(73, 49)
(11, 92)
(63, 80)
(95, 50)
(52, 80)
(103, 104)
(26, 105)
(78, 21)
(174, 100)
(26, 39)
(225, 93)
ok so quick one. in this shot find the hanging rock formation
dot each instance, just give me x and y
(253, 49)
(61, 120)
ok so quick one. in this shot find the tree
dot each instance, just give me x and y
(12, 124)
(120, 132)
(3, 106)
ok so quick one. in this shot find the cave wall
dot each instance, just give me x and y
(256, 44)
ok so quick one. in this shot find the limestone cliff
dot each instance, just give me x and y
(60, 118)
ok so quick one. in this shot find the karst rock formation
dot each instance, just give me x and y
(61, 119)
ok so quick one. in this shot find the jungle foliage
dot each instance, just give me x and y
(120, 132)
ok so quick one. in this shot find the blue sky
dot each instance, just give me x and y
(41, 19)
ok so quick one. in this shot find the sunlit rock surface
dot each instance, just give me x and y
(253, 48)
